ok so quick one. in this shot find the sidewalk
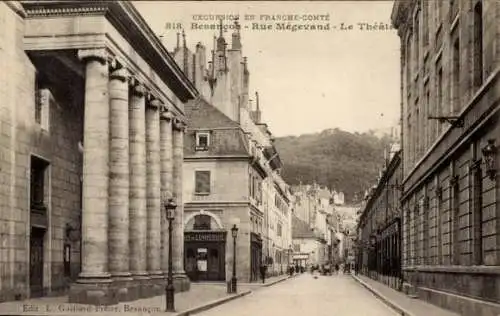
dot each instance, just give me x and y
(201, 296)
(400, 302)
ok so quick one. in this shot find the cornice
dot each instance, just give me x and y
(36, 9)
(217, 158)
(128, 21)
(17, 7)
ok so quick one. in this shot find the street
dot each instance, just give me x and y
(327, 295)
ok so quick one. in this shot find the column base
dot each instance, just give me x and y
(93, 291)
(122, 284)
(181, 282)
(157, 282)
(141, 286)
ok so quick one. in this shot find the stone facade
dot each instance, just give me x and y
(314, 206)
(450, 57)
(379, 229)
(231, 169)
(81, 150)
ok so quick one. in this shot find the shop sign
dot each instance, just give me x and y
(205, 236)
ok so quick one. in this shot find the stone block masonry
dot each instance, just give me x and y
(97, 215)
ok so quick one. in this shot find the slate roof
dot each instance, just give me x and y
(227, 137)
(202, 114)
(301, 229)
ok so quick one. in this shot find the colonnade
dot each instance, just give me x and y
(132, 161)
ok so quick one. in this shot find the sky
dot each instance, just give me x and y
(308, 80)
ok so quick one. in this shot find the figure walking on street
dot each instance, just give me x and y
(263, 269)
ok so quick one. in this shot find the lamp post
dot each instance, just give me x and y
(170, 207)
(234, 280)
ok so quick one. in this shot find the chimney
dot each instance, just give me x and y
(257, 111)
(236, 40)
(245, 84)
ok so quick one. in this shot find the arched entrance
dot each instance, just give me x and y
(204, 248)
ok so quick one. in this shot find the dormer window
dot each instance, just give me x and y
(202, 141)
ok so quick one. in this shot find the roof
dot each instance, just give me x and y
(227, 138)
(301, 229)
(202, 114)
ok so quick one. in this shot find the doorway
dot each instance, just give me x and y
(205, 261)
(36, 261)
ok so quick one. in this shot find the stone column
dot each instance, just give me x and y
(181, 280)
(137, 192)
(166, 179)
(153, 187)
(119, 183)
(93, 284)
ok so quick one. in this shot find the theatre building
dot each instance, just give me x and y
(92, 120)
(450, 93)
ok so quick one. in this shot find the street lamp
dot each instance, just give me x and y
(170, 207)
(234, 233)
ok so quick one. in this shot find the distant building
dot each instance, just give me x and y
(450, 93)
(313, 205)
(378, 243)
(338, 198)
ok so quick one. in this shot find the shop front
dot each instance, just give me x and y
(205, 253)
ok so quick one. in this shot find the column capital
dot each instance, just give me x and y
(99, 54)
(155, 103)
(179, 125)
(138, 88)
(165, 114)
(121, 74)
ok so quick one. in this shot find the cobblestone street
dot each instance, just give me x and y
(337, 295)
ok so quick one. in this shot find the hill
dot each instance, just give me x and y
(347, 162)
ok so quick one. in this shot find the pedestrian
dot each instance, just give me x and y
(263, 269)
(336, 268)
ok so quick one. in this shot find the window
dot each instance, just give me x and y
(425, 22)
(202, 182)
(202, 141)
(455, 105)
(418, 131)
(439, 92)
(453, 10)
(43, 98)
(202, 222)
(37, 184)
(278, 230)
(478, 45)
(427, 111)
(476, 202)
(408, 62)
(455, 221)
(417, 41)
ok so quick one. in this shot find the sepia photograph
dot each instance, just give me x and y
(250, 158)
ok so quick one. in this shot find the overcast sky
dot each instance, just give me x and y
(307, 80)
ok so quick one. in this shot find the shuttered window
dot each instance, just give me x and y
(202, 182)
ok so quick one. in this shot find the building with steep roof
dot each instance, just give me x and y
(231, 170)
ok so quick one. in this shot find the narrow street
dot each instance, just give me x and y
(337, 295)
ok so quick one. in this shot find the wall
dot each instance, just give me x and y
(20, 137)
(221, 173)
